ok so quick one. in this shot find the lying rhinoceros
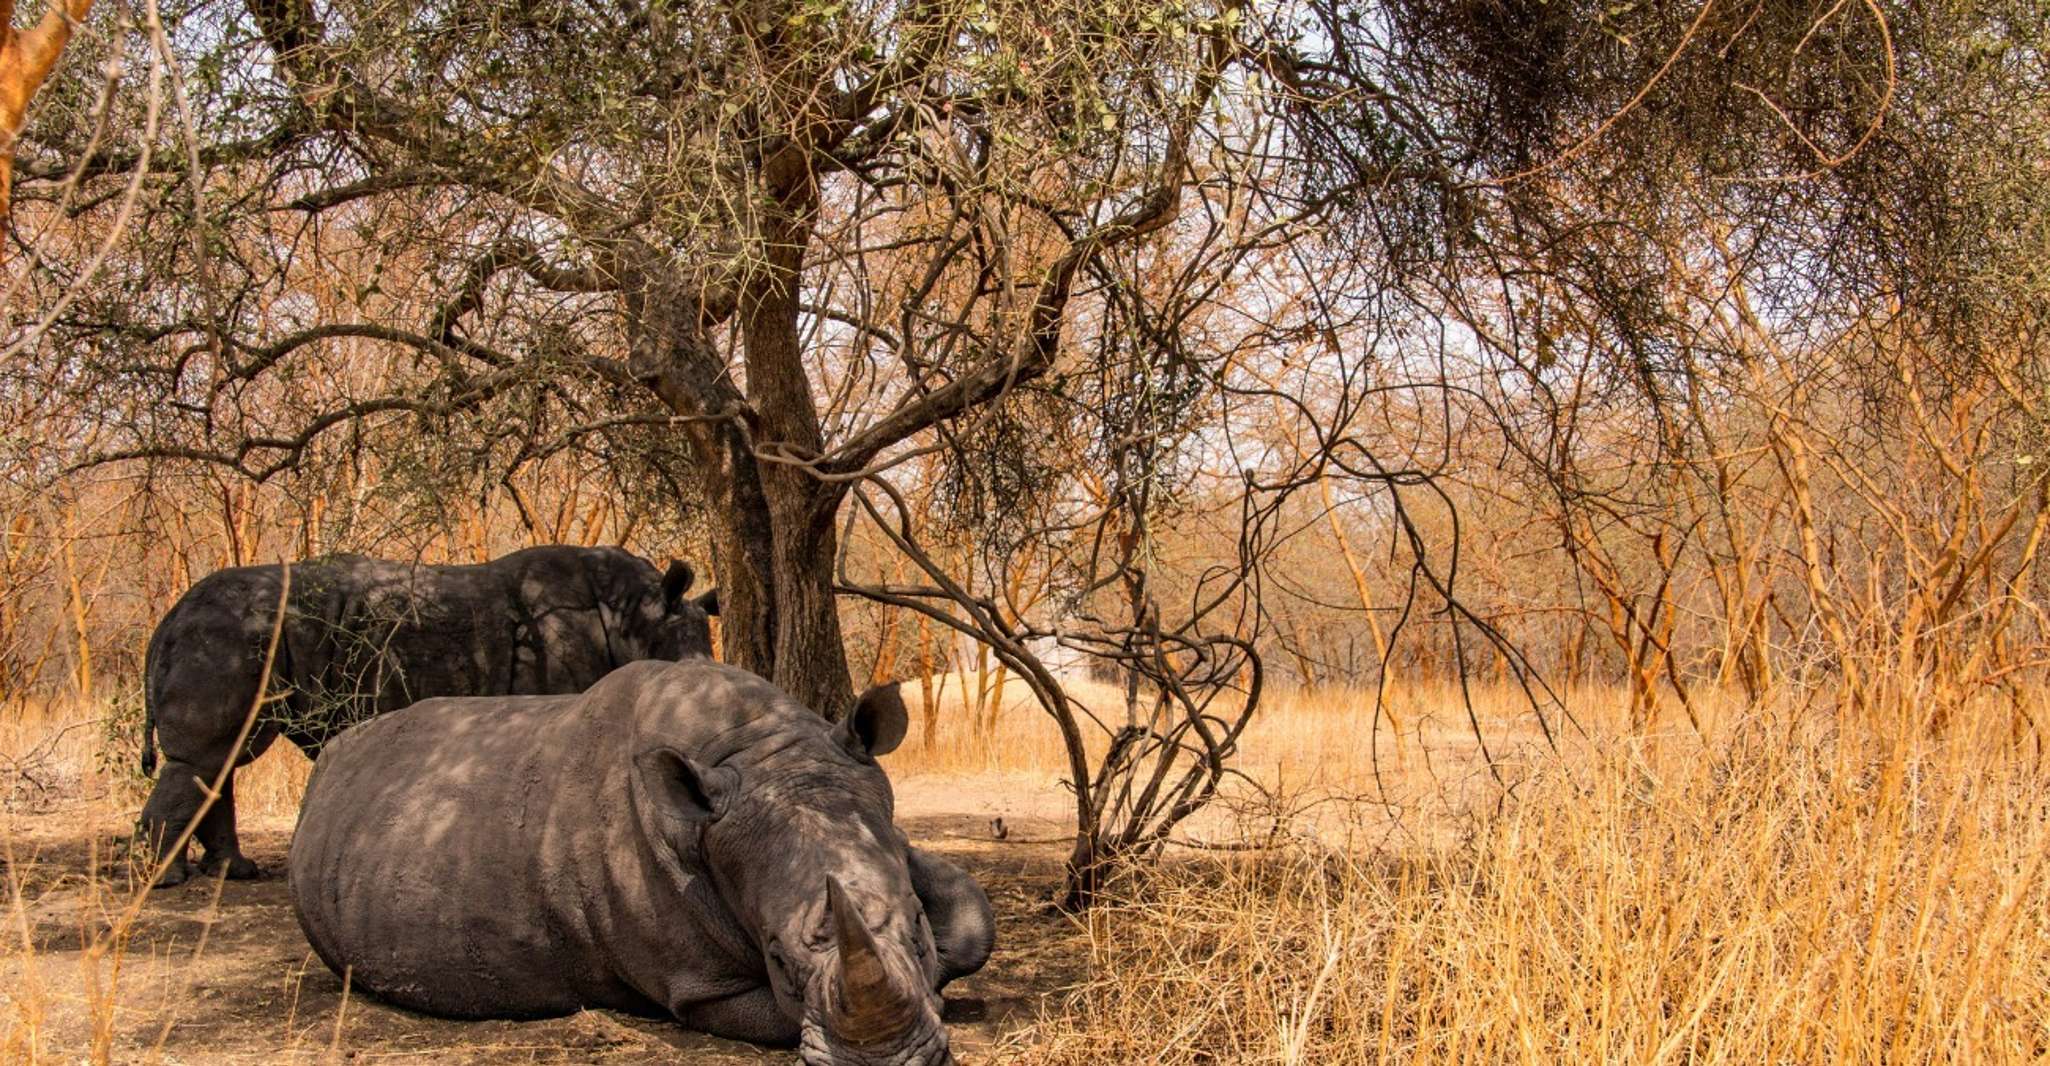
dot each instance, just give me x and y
(364, 636)
(682, 839)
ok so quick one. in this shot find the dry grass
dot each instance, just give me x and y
(1776, 891)
(60, 754)
(1771, 898)
(1317, 738)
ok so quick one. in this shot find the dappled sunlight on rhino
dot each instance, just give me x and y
(361, 637)
(683, 839)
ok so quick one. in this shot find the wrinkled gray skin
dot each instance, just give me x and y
(363, 637)
(683, 839)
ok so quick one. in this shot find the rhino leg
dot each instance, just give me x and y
(216, 834)
(178, 796)
(752, 1016)
(169, 809)
(964, 928)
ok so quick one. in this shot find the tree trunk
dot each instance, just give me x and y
(778, 616)
(742, 553)
(774, 542)
(1082, 880)
(810, 659)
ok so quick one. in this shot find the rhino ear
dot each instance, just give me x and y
(877, 723)
(709, 603)
(677, 582)
(684, 788)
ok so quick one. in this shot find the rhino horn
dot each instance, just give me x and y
(871, 1009)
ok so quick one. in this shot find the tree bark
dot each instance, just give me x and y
(773, 536)
(810, 658)
(773, 547)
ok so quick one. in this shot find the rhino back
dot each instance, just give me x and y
(367, 636)
(374, 636)
(557, 596)
(435, 857)
(484, 857)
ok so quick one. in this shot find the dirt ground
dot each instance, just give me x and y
(233, 980)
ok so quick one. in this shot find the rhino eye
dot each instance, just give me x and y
(921, 943)
(822, 941)
(779, 969)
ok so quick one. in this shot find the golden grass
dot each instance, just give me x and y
(1305, 741)
(1778, 890)
(1771, 897)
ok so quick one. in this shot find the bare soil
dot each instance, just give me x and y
(220, 973)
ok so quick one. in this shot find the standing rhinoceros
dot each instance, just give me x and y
(682, 839)
(363, 636)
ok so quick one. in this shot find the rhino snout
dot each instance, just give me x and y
(929, 1048)
(867, 1008)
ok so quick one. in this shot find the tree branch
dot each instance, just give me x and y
(403, 178)
(345, 105)
(1034, 356)
(105, 163)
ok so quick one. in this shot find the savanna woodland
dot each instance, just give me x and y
(1485, 531)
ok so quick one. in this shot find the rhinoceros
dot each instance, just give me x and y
(362, 637)
(684, 839)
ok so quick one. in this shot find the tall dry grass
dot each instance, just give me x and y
(75, 755)
(1781, 893)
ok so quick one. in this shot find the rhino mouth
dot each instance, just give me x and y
(925, 1045)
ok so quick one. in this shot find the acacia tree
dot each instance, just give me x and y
(670, 214)
(787, 238)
